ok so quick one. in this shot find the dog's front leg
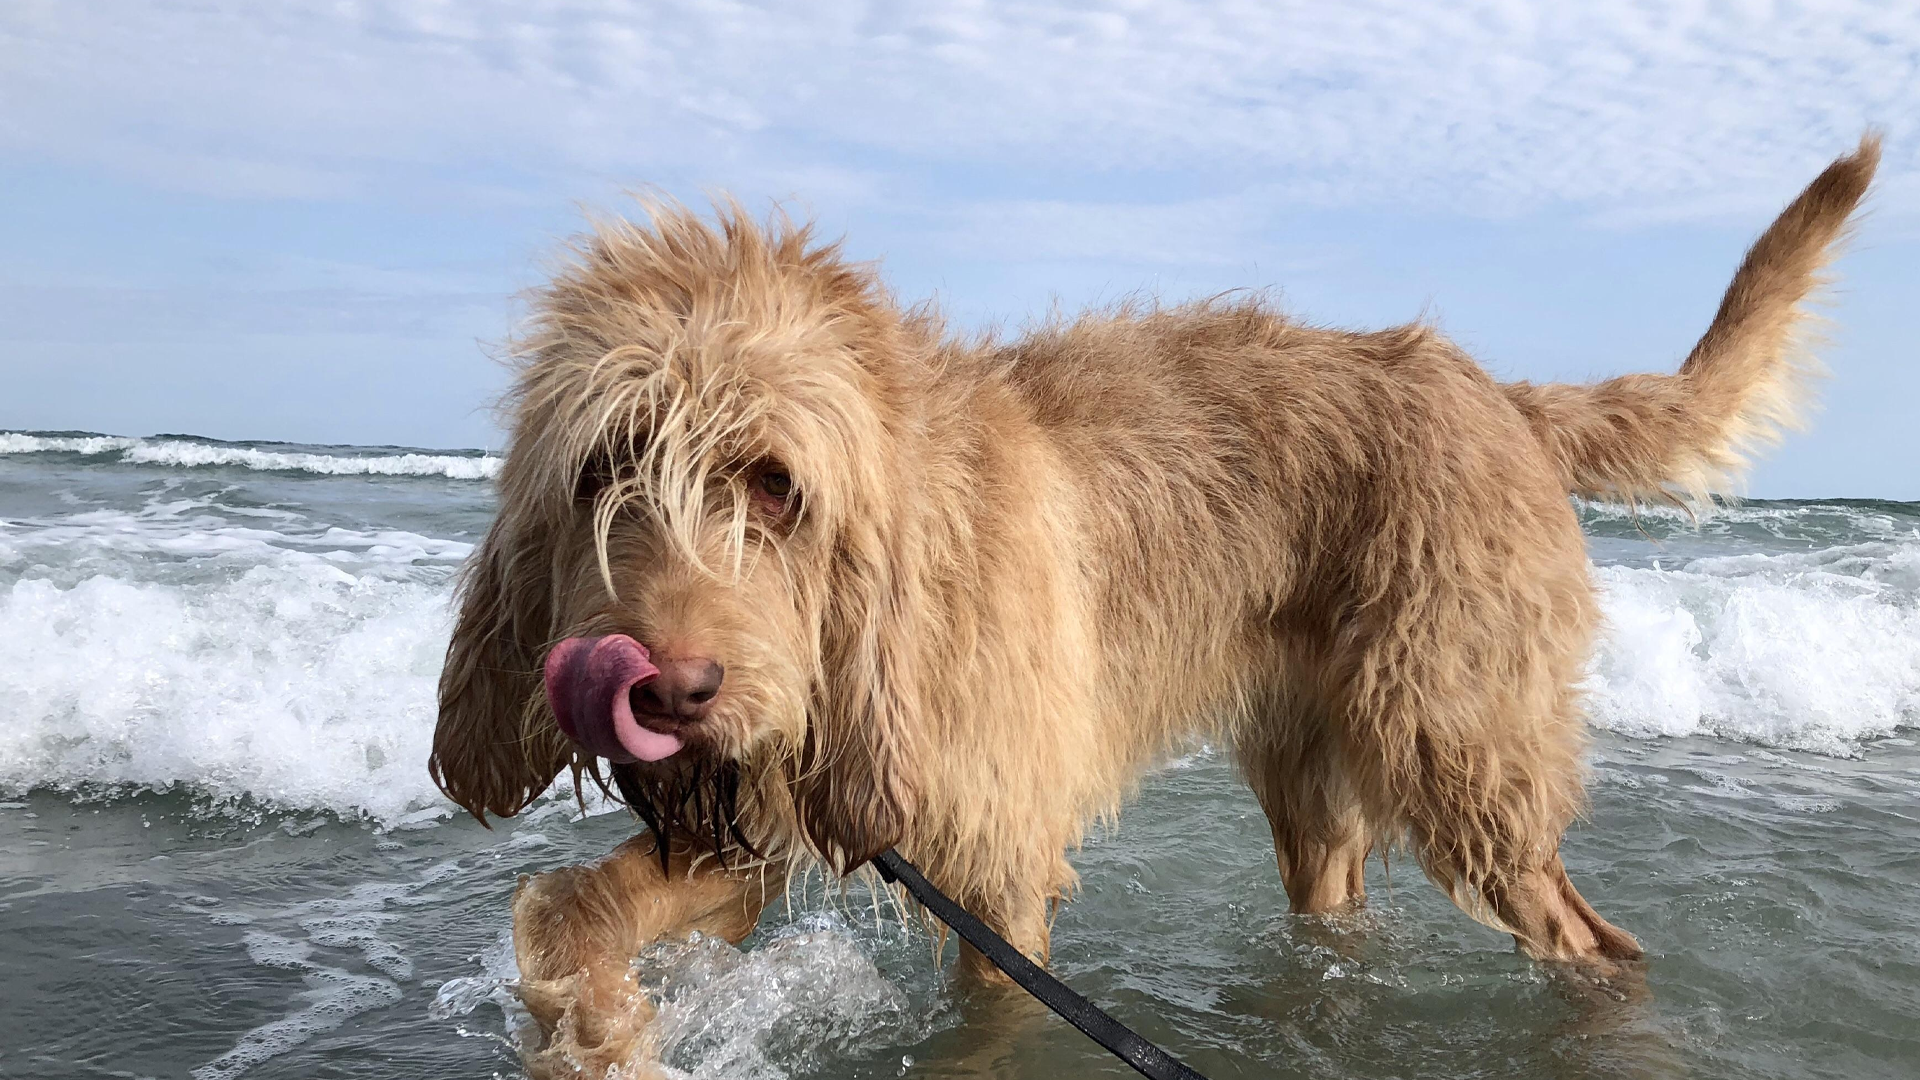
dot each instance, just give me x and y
(577, 929)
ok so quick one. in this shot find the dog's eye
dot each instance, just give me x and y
(774, 491)
(595, 475)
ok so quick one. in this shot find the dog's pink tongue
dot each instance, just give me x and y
(588, 682)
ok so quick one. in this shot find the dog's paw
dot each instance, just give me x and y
(589, 1029)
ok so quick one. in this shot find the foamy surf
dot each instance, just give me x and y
(187, 453)
(298, 685)
(217, 635)
(1806, 652)
(343, 949)
(183, 645)
(13, 442)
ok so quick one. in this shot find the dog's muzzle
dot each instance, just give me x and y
(590, 683)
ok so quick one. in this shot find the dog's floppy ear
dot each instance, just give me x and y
(856, 791)
(487, 755)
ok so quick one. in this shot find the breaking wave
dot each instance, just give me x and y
(1813, 651)
(276, 661)
(285, 666)
(190, 453)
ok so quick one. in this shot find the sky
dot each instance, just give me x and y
(314, 221)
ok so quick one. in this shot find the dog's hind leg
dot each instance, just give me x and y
(1292, 758)
(1322, 858)
(1468, 742)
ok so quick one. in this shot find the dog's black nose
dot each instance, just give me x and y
(683, 692)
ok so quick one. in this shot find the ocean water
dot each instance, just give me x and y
(220, 854)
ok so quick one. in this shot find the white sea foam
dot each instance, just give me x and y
(298, 684)
(331, 942)
(277, 660)
(125, 544)
(332, 997)
(187, 453)
(452, 466)
(16, 443)
(1812, 651)
(171, 646)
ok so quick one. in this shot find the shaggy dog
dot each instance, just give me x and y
(815, 578)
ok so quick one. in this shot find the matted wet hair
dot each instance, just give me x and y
(699, 798)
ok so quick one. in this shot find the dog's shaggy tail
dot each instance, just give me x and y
(1685, 436)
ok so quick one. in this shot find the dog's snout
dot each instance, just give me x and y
(683, 692)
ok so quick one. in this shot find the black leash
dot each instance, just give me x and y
(1146, 1058)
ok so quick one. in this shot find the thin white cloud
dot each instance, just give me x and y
(1199, 233)
(1675, 109)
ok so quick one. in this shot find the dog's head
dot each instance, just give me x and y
(703, 568)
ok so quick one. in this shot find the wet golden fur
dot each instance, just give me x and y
(1022, 572)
